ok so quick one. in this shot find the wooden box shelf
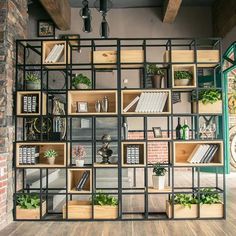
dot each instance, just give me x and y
(60, 160)
(127, 96)
(183, 149)
(74, 177)
(215, 108)
(91, 96)
(39, 100)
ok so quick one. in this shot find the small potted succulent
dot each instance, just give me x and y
(51, 156)
(182, 78)
(79, 153)
(81, 81)
(157, 75)
(33, 81)
(158, 178)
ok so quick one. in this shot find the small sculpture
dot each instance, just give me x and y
(105, 152)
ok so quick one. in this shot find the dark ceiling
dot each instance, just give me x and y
(143, 3)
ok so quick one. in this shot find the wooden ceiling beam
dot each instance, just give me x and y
(170, 10)
(59, 11)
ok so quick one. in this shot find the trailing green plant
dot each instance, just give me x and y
(209, 196)
(32, 77)
(185, 200)
(183, 75)
(50, 153)
(210, 95)
(155, 70)
(28, 201)
(81, 79)
(103, 199)
(159, 170)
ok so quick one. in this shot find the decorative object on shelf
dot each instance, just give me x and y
(87, 25)
(104, 28)
(125, 128)
(105, 152)
(80, 185)
(232, 103)
(105, 104)
(42, 125)
(98, 106)
(81, 82)
(104, 199)
(30, 103)
(207, 131)
(33, 81)
(157, 75)
(182, 78)
(82, 107)
(51, 155)
(84, 123)
(56, 53)
(176, 97)
(178, 130)
(125, 82)
(133, 154)
(85, 11)
(157, 132)
(30, 131)
(158, 178)
(74, 40)
(46, 28)
(79, 154)
(185, 131)
(28, 155)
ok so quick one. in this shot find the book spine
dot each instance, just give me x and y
(24, 156)
(20, 155)
(128, 158)
(84, 180)
(34, 98)
(29, 106)
(48, 59)
(28, 155)
(132, 103)
(25, 104)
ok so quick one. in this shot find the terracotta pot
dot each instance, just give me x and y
(51, 160)
(32, 86)
(158, 182)
(182, 82)
(157, 81)
(81, 86)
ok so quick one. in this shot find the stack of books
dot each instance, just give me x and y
(55, 54)
(30, 103)
(82, 181)
(28, 155)
(148, 102)
(203, 153)
(133, 153)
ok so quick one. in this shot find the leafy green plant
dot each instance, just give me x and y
(208, 196)
(185, 200)
(159, 170)
(50, 153)
(155, 70)
(27, 201)
(103, 199)
(183, 75)
(32, 77)
(81, 79)
(211, 96)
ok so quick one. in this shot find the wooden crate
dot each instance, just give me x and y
(183, 149)
(30, 214)
(83, 210)
(215, 108)
(212, 210)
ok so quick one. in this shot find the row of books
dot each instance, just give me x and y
(203, 153)
(132, 154)
(28, 155)
(80, 185)
(149, 102)
(30, 103)
(55, 54)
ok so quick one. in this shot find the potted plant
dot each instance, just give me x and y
(182, 78)
(28, 206)
(158, 178)
(157, 74)
(79, 153)
(81, 81)
(32, 81)
(51, 156)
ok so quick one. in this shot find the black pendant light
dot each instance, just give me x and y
(104, 30)
(103, 6)
(85, 11)
(87, 25)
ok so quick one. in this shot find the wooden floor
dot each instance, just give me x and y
(136, 228)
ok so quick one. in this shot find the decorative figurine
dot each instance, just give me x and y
(105, 152)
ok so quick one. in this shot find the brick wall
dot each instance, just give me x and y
(13, 23)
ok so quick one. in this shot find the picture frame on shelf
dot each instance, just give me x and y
(82, 107)
(157, 132)
(74, 42)
(46, 28)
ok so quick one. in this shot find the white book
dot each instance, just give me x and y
(194, 153)
(151, 105)
(58, 53)
(159, 102)
(153, 102)
(157, 96)
(132, 103)
(147, 105)
(48, 59)
(202, 154)
(163, 102)
(139, 102)
(198, 155)
(54, 53)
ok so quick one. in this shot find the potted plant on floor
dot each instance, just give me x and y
(182, 78)
(157, 75)
(51, 156)
(158, 178)
(79, 153)
(32, 81)
(81, 81)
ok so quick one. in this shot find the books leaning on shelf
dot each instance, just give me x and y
(82, 181)
(203, 153)
(30, 103)
(55, 54)
(133, 153)
(28, 155)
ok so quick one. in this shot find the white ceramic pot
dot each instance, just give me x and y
(82, 86)
(79, 163)
(51, 160)
(182, 82)
(158, 182)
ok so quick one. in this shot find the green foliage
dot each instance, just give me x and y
(81, 79)
(159, 170)
(208, 197)
(183, 75)
(50, 153)
(103, 199)
(27, 201)
(32, 77)
(155, 70)
(211, 96)
(185, 200)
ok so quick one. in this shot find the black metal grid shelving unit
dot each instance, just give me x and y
(23, 47)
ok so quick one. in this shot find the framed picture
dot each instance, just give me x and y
(82, 107)
(157, 132)
(46, 28)
(74, 42)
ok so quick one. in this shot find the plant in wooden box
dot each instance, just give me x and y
(157, 75)
(183, 78)
(158, 178)
(51, 156)
(81, 81)
(79, 153)
(33, 81)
